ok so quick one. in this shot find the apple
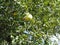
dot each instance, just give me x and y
(28, 17)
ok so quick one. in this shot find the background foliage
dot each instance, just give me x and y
(15, 31)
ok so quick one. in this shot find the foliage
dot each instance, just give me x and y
(45, 22)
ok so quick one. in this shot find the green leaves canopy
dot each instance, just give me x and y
(46, 17)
